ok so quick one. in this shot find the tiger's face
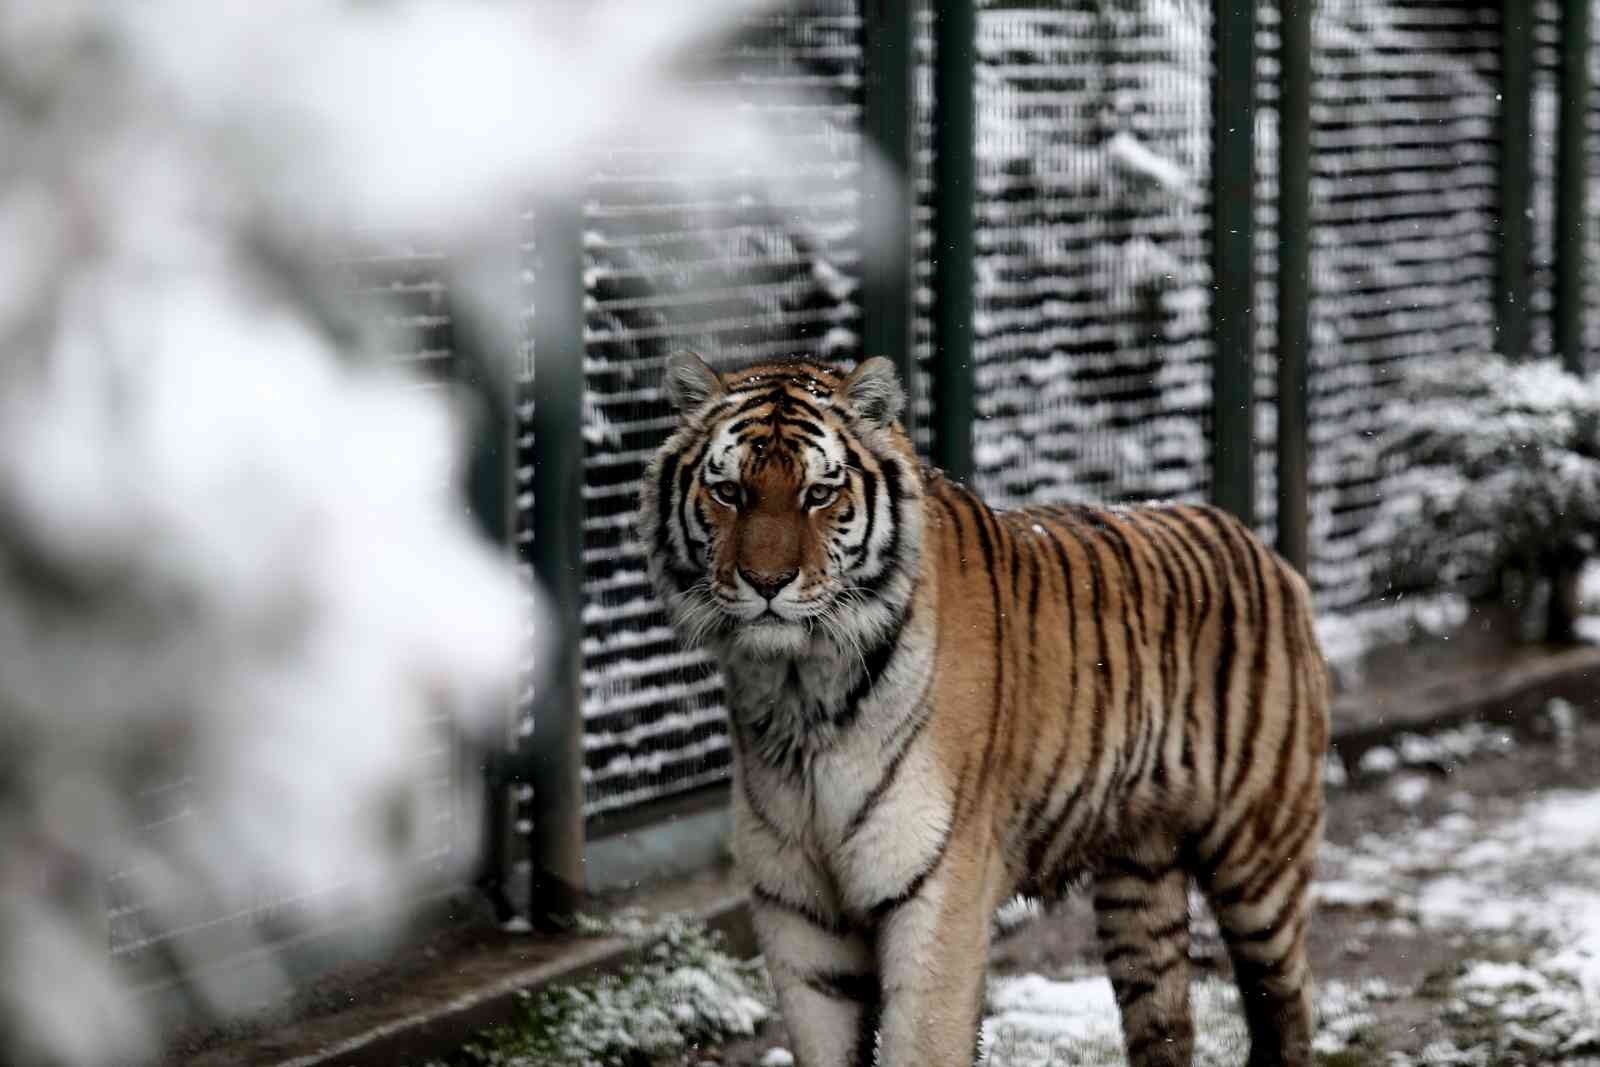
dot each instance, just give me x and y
(785, 509)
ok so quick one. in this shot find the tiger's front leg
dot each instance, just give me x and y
(825, 975)
(933, 954)
(821, 962)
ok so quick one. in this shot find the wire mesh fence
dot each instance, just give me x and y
(1404, 210)
(1092, 352)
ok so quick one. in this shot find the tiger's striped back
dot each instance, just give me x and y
(935, 705)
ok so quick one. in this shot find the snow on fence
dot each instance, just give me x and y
(1093, 348)
(1404, 209)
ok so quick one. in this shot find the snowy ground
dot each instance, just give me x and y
(1459, 924)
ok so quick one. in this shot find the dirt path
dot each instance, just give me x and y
(1459, 924)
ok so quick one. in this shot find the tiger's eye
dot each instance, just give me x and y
(726, 493)
(820, 496)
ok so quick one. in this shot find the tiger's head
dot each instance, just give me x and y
(786, 509)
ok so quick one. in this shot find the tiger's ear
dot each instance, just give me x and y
(873, 391)
(690, 381)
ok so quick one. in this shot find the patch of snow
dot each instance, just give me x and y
(1133, 156)
(1352, 896)
(1523, 881)
(1346, 637)
(777, 1057)
(1036, 1021)
(1408, 790)
(1378, 760)
(1334, 776)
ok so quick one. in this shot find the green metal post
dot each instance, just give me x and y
(1294, 281)
(887, 121)
(489, 477)
(1516, 176)
(1232, 273)
(1571, 220)
(556, 753)
(955, 168)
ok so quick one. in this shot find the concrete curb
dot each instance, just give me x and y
(427, 1026)
(1511, 695)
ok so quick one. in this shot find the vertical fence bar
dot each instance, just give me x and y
(1571, 184)
(1516, 176)
(490, 472)
(955, 182)
(887, 121)
(556, 754)
(1232, 276)
(1294, 281)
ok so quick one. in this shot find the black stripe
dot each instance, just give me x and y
(982, 519)
(894, 490)
(1295, 713)
(869, 493)
(945, 490)
(1102, 520)
(1042, 800)
(892, 903)
(1170, 930)
(877, 661)
(1130, 993)
(1165, 1034)
(767, 822)
(1200, 601)
(1258, 877)
(1256, 973)
(1123, 867)
(1287, 911)
(761, 398)
(1041, 845)
(686, 476)
(1119, 951)
(845, 985)
(666, 504)
(837, 925)
(1258, 671)
(867, 1035)
(1103, 709)
(1224, 680)
(885, 780)
(1044, 842)
(805, 427)
(1168, 655)
(1222, 531)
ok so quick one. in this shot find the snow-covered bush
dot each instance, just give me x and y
(684, 992)
(234, 563)
(1503, 476)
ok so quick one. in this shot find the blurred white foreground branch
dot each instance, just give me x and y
(230, 552)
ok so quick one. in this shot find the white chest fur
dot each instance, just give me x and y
(836, 774)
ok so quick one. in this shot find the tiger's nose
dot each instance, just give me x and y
(766, 583)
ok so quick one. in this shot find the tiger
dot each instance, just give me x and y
(934, 706)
